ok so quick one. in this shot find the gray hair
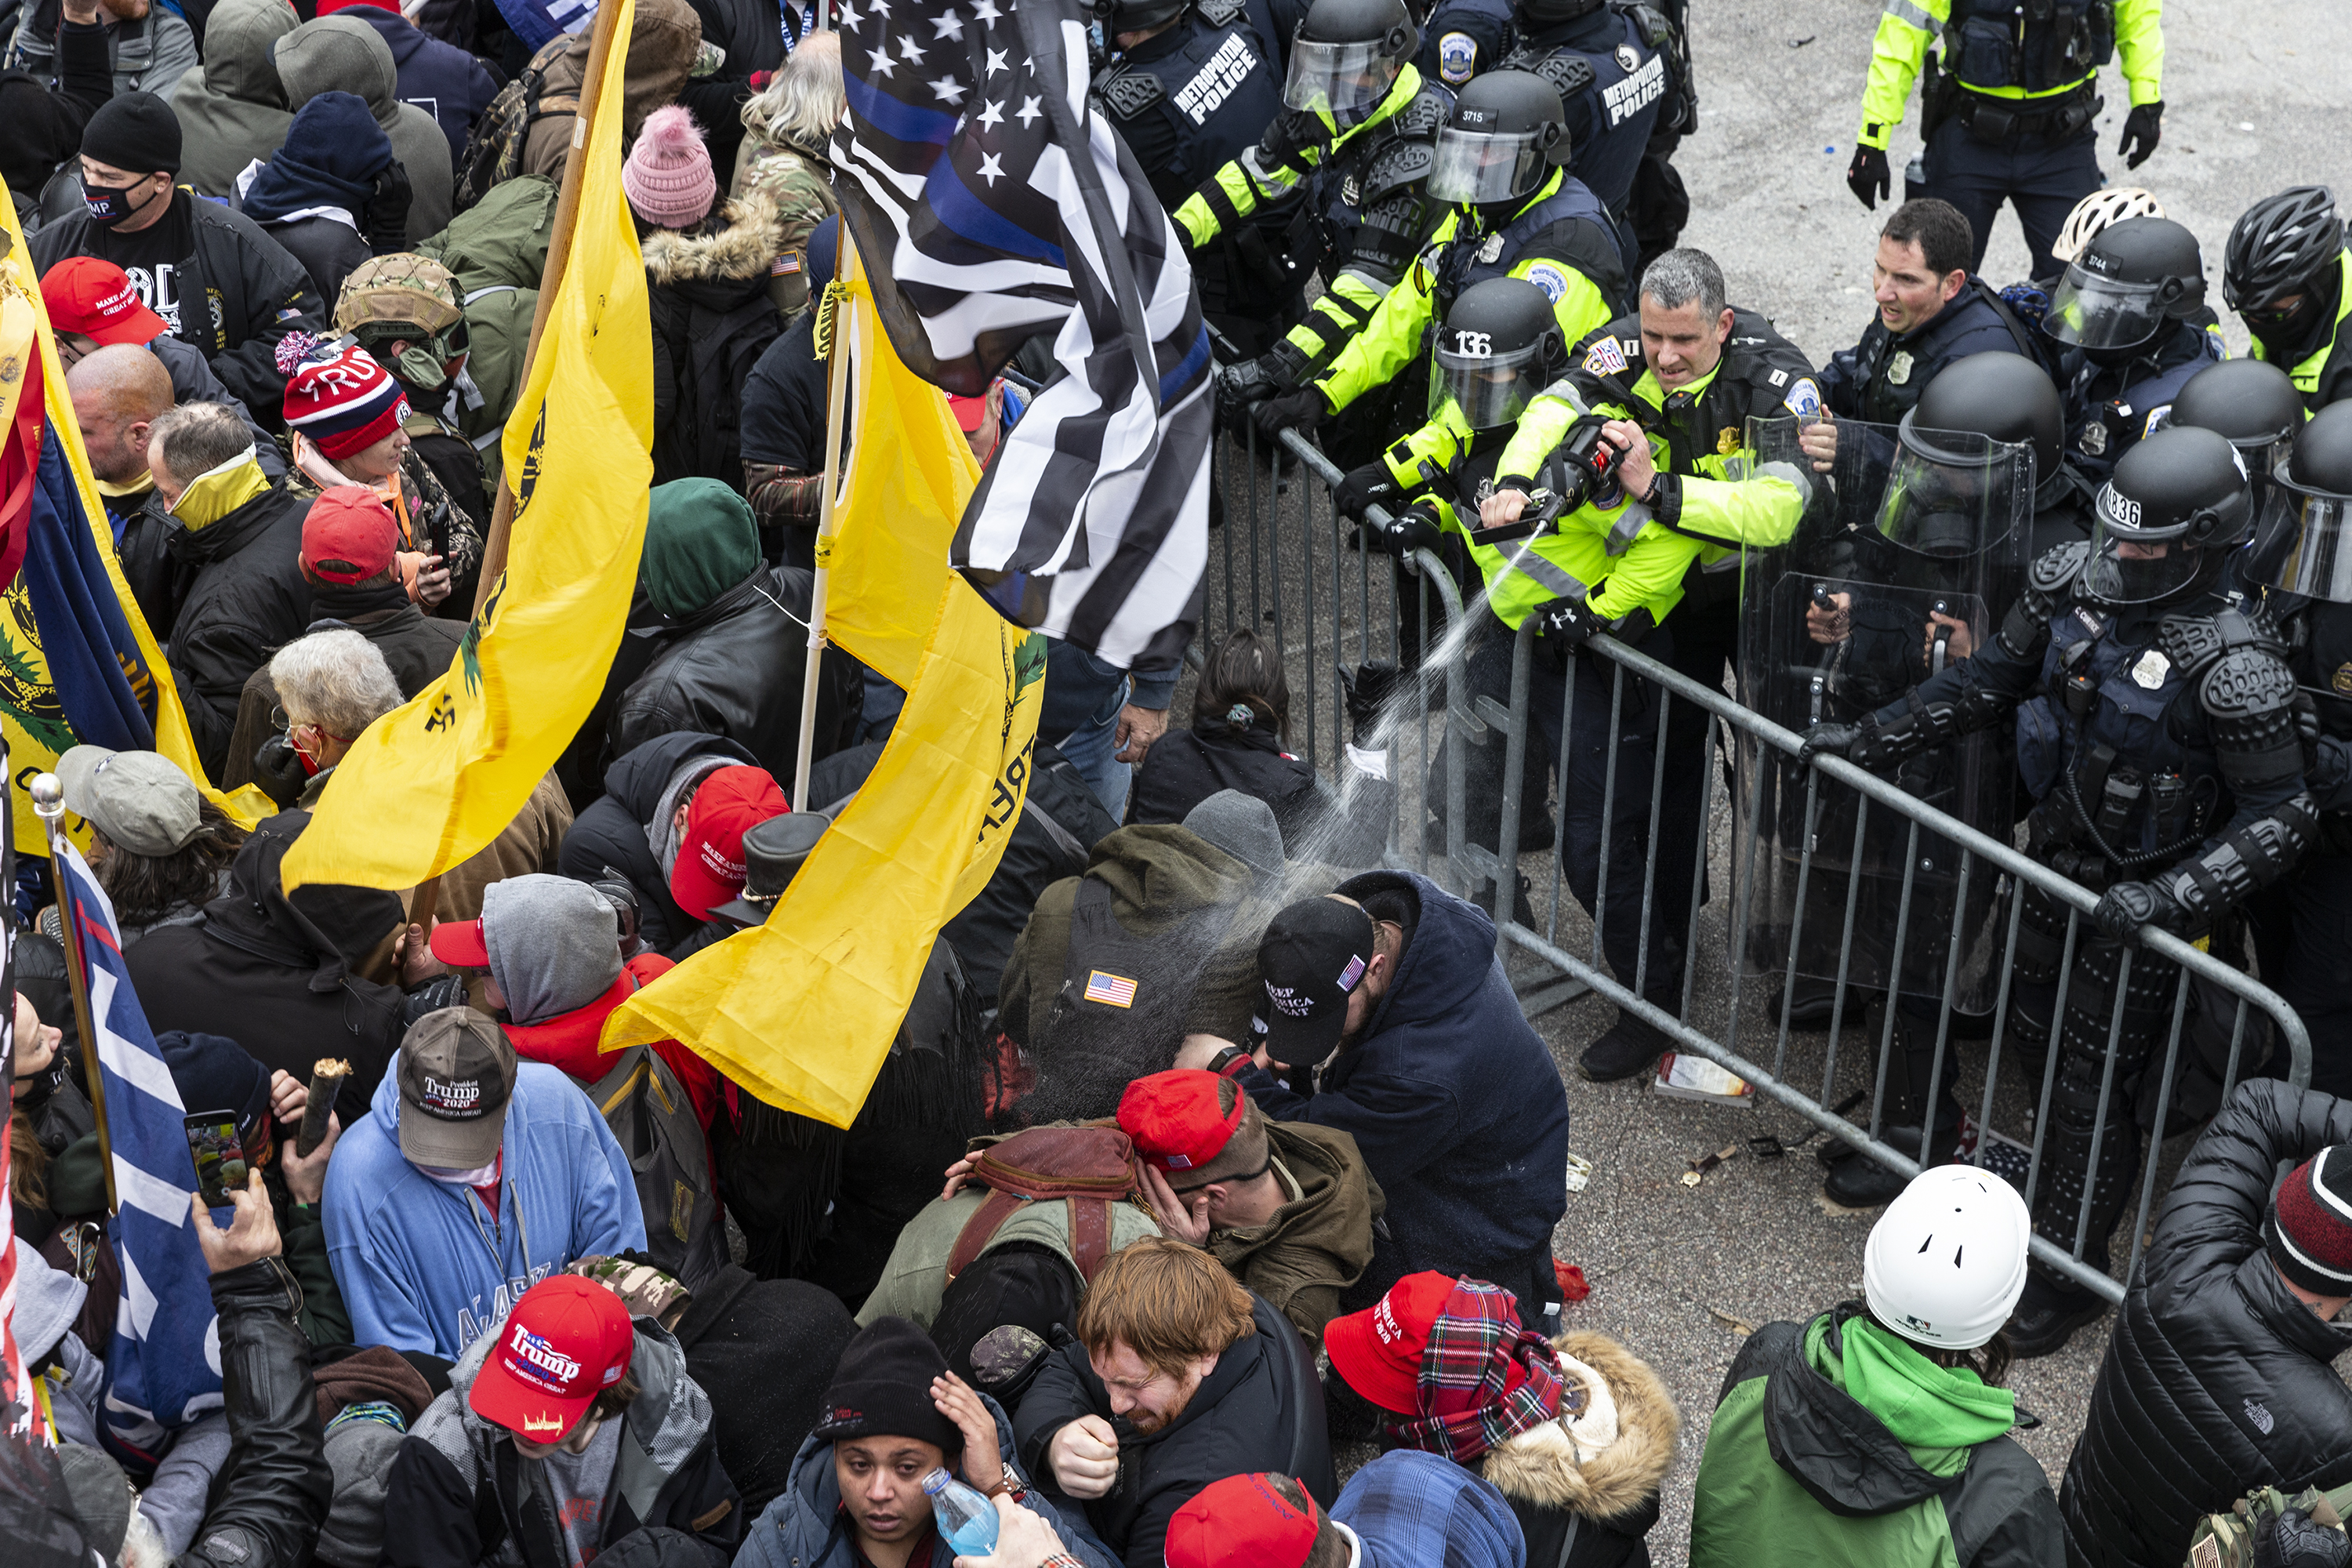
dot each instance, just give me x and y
(1678, 277)
(198, 438)
(806, 99)
(337, 680)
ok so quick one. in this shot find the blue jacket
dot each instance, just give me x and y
(1880, 377)
(1408, 1508)
(439, 77)
(803, 1527)
(2110, 408)
(1453, 1100)
(414, 1257)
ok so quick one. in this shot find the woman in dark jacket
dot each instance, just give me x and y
(325, 194)
(2220, 1377)
(1241, 719)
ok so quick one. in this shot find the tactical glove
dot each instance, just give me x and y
(2295, 1542)
(2128, 906)
(1360, 487)
(1415, 528)
(2142, 129)
(1301, 411)
(1837, 739)
(1868, 177)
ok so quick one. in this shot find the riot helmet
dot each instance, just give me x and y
(1507, 134)
(2163, 524)
(1535, 15)
(2131, 280)
(1500, 345)
(2097, 211)
(2284, 248)
(2310, 511)
(411, 300)
(1347, 56)
(2000, 395)
(2254, 406)
(1122, 18)
(1950, 493)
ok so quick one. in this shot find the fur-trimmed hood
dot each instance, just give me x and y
(1585, 1466)
(744, 246)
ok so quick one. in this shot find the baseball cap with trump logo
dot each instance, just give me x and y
(95, 299)
(567, 1340)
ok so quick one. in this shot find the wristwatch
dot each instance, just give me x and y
(1229, 1062)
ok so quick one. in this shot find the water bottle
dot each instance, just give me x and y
(967, 1520)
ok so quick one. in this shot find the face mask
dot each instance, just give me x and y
(481, 1178)
(419, 366)
(112, 205)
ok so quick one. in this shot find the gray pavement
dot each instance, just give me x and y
(1680, 1272)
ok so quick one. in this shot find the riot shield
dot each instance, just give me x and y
(1905, 561)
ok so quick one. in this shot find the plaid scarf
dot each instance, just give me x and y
(1483, 1379)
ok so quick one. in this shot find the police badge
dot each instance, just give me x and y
(1898, 368)
(1488, 252)
(2342, 680)
(2149, 672)
(1627, 59)
(2094, 437)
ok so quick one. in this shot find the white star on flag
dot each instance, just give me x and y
(993, 115)
(883, 64)
(1028, 112)
(911, 49)
(882, 9)
(947, 89)
(991, 169)
(995, 61)
(846, 19)
(985, 11)
(946, 25)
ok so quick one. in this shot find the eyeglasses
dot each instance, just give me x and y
(1226, 1181)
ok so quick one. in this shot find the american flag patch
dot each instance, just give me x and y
(1112, 990)
(785, 265)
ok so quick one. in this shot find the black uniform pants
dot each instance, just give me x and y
(2303, 937)
(2041, 176)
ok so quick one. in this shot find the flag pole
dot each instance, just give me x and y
(836, 421)
(559, 255)
(49, 805)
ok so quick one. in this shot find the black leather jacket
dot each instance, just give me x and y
(2218, 1379)
(274, 1490)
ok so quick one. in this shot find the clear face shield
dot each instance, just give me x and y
(2305, 544)
(1341, 82)
(2094, 313)
(2132, 565)
(1490, 389)
(1948, 496)
(1475, 167)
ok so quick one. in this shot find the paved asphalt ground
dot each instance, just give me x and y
(2253, 93)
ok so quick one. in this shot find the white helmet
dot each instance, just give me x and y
(1945, 1262)
(2095, 212)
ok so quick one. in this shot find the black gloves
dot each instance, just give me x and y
(1568, 625)
(2142, 129)
(1835, 739)
(1367, 688)
(1415, 528)
(2128, 906)
(1247, 382)
(386, 217)
(2293, 1541)
(277, 769)
(1360, 487)
(1301, 411)
(1868, 175)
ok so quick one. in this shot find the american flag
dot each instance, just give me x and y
(990, 205)
(162, 1367)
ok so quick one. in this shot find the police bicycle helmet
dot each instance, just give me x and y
(2309, 515)
(1500, 345)
(2129, 281)
(2163, 525)
(2279, 247)
(2097, 211)
(1347, 56)
(1507, 134)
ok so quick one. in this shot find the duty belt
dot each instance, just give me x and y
(1991, 119)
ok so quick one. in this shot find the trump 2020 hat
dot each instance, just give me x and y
(1312, 956)
(456, 1073)
(567, 1340)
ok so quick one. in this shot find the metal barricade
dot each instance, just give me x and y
(1988, 870)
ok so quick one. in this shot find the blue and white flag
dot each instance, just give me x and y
(991, 203)
(164, 1366)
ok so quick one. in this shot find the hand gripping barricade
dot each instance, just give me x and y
(1286, 567)
(1906, 558)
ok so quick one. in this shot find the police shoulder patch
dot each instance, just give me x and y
(1603, 358)
(1457, 58)
(1804, 398)
(1547, 276)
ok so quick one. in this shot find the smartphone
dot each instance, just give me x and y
(220, 1157)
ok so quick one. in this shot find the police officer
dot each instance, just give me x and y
(2254, 406)
(1621, 76)
(1932, 310)
(1671, 388)
(1194, 83)
(1463, 38)
(2164, 760)
(1517, 214)
(2288, 273)
(1347, 163)
(2127, 311)
(2012, 113)
(2299, 927)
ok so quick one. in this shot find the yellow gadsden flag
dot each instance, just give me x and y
(32, 718)
(429, 785)
(802, 1010)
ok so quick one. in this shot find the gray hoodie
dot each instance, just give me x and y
(149, 55)
(232, 109)
(343, 54)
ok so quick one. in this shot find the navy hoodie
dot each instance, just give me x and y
(1452, 1099)
(440, 78)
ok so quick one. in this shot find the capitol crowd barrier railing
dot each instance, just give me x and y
(1253, 557)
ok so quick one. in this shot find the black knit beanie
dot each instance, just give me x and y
(883, 1388)
(136, 132)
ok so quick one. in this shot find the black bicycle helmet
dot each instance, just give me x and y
(2280, 245)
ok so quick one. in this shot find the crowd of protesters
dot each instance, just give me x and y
(1212, 1148)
